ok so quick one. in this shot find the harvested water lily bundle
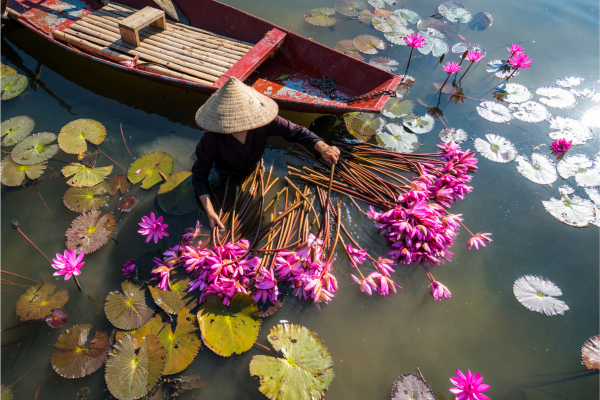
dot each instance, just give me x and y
(496, 148)
(537, 294)
(571, 210)
(570, 129)
(541, 169)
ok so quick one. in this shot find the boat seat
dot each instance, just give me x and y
(130, 26)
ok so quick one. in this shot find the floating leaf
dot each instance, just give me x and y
(176, 196)
(57, 319)
(411, 387)
(321, 16)
(268, 308)
(182, 345)
(455, 11)
(90, 232)
(6, 392)
(530, 111)
(435, 43)
(536, 294)
(368, 44)
(366, 16)
(417, 124)
(176, 298)
(150, 166)
(350, 8)
(282, 77)
(35, 149)
(119, 183)
(88, 159)
(407, 15)
(540, 169)
(450, 134)
(305, 371)
(39, 300)
(398, 139)
(398, 34)
(347, 47)
(85, 199)
(590, 353)
(569, 81)
(130, 376)
(84, 176)
(73, 359)
(573, 211)
(367, 124)
(153, 327)
(514, 93)
(227, 331)
(502, 69)
(127, 203)
(396, 107)
(586, 172)
(13, 85)
(5, 70)
(594, 195)
(496, 149)
(16, 129)
(13, 174)
(386, 64)
(387, 24)
(481, 21)
(377, 3)
(72, 136)
(402, 90)
(127, 310)
(570, 129)
(494, 112)
(556, 97)
(461, 48)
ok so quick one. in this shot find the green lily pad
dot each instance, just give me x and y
(176, 298)
(176, 196)
(119, 183)
(398, 34)
(127, 310)
(366, 16)
(153, 327)
(72, 136)
(396, 107)
(13, 85)
(35, 149)
(16, 129)
(305, 371)
(150, 166)
(14, 174)
(227, 331)
(6, 392)
(182, 345)
(418, 124)
(407, 15)
(435, 43)
(368, 44)
(73, 359)
(84, 176)
(455, 11)
(350, 8)
(321, 16)
(130, 376)
(38, 301)
(90, 232)
(386, 23)
(397, 139)
(367, 124)
(5, 70)
(85, 199)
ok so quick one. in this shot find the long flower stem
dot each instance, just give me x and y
(461, 78)
(77, 283)
(409, 57)
(516, 69)
(31, 243)
(440, 96)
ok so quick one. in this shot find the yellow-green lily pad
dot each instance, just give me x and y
(73, 359)
(13, 85)
(15, 129)
(152, 327)
(72, 137)
(127, 310)
(13, 174)
(148, 167)
(84, 176)
(5, 70)
(177, 297)
(39, 300)
(182, 345)
(35, 149)
(87, 198)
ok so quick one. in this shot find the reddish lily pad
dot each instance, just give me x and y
(38, 301)
(57, 319)
(590, 353)
(72, 137)
(127, 203)
(368, 44)
(119, 183)
(127, 310)
(346, 47)
(88, 198)
(90, 232)
(321, 16)
(182, 345)
(73, 359)
(16, 129)
(84, 176)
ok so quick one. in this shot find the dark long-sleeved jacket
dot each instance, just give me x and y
(231, 155)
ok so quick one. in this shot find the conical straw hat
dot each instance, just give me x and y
(236, 107)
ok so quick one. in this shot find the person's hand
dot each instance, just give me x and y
(213, 219)
(329, 153)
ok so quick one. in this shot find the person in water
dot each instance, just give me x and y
(237, 120)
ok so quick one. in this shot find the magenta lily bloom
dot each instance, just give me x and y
(358, 256)
(129, 268)
(451, 67)
(438, 291)
(68, 264)
(520, 60)
(514, 49)
(163, 275)
(414, 40)
(192, 233)
(469, 387)
(366, 286)
(561, 146)
(153, 228)
(477, 240)
(474, 56)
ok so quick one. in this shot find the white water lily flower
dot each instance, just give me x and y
(556, 97)
(570, 129)
(540, 169)
(494, 112)
(573, 211)
(594, 195)
(536, 294)
(530, 111)
(516, 93)
(496, 149)
(398, 139)
(585, 171)
(456, 135)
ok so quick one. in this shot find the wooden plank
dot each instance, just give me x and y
(253, 58)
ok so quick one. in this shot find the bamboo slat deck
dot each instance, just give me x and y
(180, 51)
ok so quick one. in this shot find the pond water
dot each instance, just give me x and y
(373, 340)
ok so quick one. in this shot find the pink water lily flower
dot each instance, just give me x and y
(451, 67)
(514, 49)
(153, 228)
(366, 285)
(68, 264)
(414, 40)
(469, 387)
(162, 272)
(561, 146)
(477, 240)
(192, 233)
(520, 60)
(474, 56)
(438, 291)
(358, 256)
(129, 268)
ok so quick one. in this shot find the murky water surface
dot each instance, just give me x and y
(522, 354)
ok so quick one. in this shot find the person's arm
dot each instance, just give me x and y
(299, 134)
(205, 152)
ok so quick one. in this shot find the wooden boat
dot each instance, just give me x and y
(219, 42)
